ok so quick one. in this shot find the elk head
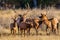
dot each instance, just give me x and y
(24, 15)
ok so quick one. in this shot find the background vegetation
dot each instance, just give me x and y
(31, 3)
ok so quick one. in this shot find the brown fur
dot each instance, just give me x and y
(24, 26)
(22, 19)
(51, 23)
(54, 22)
(13, 27)
(34, 23)
(47, 22)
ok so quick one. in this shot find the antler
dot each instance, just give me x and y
(14, 10)
(24, 14)
(14, 17)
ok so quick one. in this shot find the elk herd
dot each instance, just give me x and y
(23, 24)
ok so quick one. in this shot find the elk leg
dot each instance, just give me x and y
(36, 31)
(11, 31)
(24, 32)
(21, 32)
(18, 29)
(58, 27)
(14, 31)
(29, 31)
(46, 28)
(56, 30)
(48, 31)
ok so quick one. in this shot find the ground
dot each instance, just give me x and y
(41, 36)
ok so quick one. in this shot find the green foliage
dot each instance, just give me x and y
(40, 2)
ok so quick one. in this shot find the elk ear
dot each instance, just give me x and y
(45, 15)
(41, 13)
(39, 16)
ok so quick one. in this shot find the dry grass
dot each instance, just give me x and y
(7, 36)
(5, 20)
(30, 38)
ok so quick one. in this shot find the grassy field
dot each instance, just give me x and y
(6, 19)
(41, 36)
(30, 38)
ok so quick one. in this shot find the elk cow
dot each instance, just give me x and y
(47, 22)
(13, 26)
(51, 24)
(34, 23)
